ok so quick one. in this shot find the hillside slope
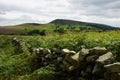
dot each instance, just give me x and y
(72, 22)
(67, 25)
(5, 30)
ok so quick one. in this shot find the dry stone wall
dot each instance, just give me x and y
(88, 64)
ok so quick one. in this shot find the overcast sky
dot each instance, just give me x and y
(43, 11)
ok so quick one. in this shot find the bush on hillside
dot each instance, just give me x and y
(60, 30)
(37, 32)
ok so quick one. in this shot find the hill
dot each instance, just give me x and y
(59, 25)
(72, 22)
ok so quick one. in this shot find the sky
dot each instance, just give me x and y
(14, 12)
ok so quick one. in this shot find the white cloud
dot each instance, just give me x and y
(42, 11)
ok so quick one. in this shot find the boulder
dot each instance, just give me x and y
(66, 65)
(41, 50)
(36, 50)
(75, 57)
(98, 51)
(112, 71)
(101, 61)
(83, 53)
(95, 53)
(91, 58)
(113, 68)
(71, 62)
(98, 70)
(18, 42)
(15, 40)
(107, 58)
(68, 52)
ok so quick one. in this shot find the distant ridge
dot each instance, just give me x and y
(20, 28)
(73, 22)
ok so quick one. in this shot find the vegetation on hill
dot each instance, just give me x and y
(56, 26)
(93, 25)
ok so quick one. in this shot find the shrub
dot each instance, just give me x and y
(33, 32)
(37, 32)
(60, 30)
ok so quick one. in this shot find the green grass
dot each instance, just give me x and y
(21, 66)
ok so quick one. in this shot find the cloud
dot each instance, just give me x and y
(104, 8)
(43, 11)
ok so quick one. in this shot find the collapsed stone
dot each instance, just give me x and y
(94, 53)
(112, 71)
(107, 58)
(113, 68)
(68, 52)
(98, 51)
(83, 53)
(20, 45)
(71, 62)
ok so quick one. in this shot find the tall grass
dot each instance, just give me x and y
(14, 66)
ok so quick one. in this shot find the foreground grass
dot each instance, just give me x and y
(21, 66)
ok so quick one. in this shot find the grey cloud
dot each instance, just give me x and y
(2, 13)
(93, 2)
(68, 9)
(21, 19)
(113, 5)
(5, 8)
(102, 8)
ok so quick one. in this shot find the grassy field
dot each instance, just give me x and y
(15, 65)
